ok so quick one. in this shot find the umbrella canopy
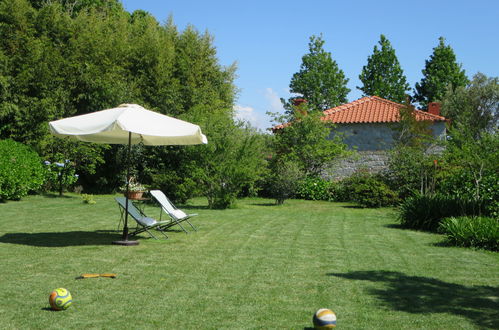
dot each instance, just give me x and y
(128, 124)
(113, 126)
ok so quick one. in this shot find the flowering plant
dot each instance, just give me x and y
(60, 175)
(134, 186)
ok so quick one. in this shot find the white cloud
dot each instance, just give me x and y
(246, 114)
(274, 100)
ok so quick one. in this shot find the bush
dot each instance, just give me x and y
(21, 170)
(284, 180)
(178, 189)
(479, 232)
(426, 211)
(460, 182)
(316, 189)
(60, 175)
(373, 193)
(366, 190)
(88, 199)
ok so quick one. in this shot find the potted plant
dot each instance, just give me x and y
(135, 189)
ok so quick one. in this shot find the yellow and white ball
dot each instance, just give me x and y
(324, 319)
(60, 299)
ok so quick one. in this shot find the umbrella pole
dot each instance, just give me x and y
(125, 240)
(125, 227)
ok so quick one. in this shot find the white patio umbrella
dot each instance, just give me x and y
(128, 124)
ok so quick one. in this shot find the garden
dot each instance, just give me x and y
(413, 245)
(255, 266)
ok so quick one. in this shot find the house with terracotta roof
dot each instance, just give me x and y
(367, 125)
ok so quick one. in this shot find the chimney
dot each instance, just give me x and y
(434, 108)
(299, 101)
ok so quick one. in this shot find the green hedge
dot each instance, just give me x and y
(21, 170)
(366, 190)
(479, 232)
(426, 211)
(315, 189)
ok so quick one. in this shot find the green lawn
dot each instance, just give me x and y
(255, 266)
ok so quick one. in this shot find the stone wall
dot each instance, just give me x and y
(372, 142)
(371, 161)
(375, 136)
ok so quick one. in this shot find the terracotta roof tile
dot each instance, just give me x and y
(369, 109)
(372, 109)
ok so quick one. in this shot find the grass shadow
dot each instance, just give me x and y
(352, 207)
(414, 294)
(56, 195)
(264, 204)
(395, 226)
(48, 309)
(61, 239)
(193, 207)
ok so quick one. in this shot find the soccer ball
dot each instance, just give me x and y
(60, 299)
(324, 319)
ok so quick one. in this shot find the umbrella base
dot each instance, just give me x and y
(126, 243)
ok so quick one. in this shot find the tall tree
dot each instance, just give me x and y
(474, 109)
(383, 76)
(440, 72)
(319, 80)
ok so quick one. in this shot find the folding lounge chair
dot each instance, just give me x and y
(177, 216)
(143, 223)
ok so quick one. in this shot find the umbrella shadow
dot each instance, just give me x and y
(61, 239)
(423, 295)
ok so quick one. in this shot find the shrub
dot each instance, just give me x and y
(460, 182)
(284, 180)
(366, 190)
(316, 189)
(60, 175)
(178, 189)
(373, 193)
(88, 199)
(21, 170)
(479, 232)
(426, 211)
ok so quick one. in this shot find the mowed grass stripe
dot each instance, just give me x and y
(256, 266)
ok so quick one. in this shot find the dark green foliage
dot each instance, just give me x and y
(383, 76)
(411, 170)
(284, 179)
(412, 163)
(477, 232)
(425, 212)
(459, 181)
(21, 170)
(473, 109)
(306, 141)
(178, 189)
(319, 80)
(315, 188)
(373, 193)
(471, 170)
(300, 149)
(233, 160)
(65, 58)
(60, 175)
(366, 190)
(441, 72)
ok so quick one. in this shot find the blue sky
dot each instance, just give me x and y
(268, 38)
